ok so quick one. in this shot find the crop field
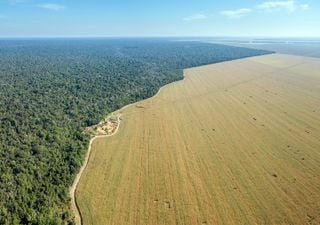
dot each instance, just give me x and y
(233, 143)
(300, 47)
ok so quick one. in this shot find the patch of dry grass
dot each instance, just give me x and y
(233, 143)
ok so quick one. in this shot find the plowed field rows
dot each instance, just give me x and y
(233, 143)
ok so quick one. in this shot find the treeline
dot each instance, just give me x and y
(50, 90)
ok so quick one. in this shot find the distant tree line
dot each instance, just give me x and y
(50, 90)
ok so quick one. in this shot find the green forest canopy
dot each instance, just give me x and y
(51, 89)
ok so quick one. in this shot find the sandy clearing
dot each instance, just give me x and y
(74, 205)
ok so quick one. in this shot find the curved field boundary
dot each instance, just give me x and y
(74, 205)
(233, 143)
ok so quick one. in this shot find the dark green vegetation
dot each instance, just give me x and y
(50, 90)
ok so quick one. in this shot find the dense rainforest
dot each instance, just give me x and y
(51, 89)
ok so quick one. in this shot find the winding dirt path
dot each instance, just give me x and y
(74, 206)
(234, 143)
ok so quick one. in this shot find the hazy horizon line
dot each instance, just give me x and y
(155, 36)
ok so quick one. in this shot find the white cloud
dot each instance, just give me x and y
(14, 2)
(313, 22)
(198, 16)
(304, 7)
(289, 6)
(235, 14)
(51, 6)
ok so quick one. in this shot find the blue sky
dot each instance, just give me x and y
(275, 18)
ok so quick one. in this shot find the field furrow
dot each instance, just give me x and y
(233, 143)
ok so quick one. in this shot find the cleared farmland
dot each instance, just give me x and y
(233, 143)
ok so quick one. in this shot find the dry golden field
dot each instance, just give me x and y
(233, 143)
